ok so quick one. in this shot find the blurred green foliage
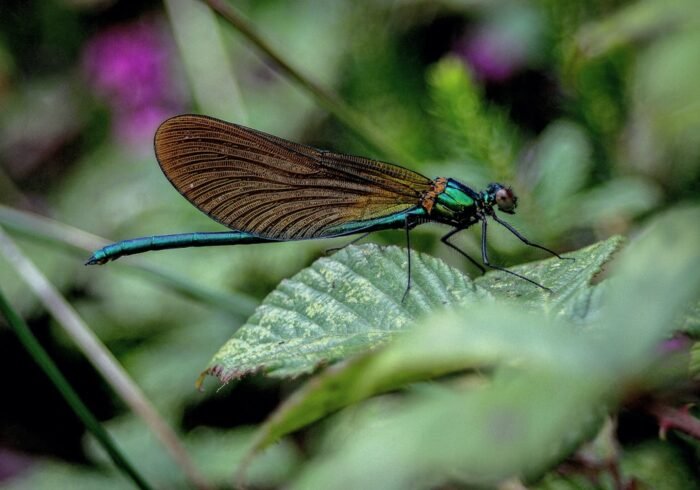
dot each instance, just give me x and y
(476, 132)
(590, 110)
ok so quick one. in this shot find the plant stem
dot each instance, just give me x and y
(37, 352)
(675, 418)
(78, 241)
(99, 356)
(331, 102)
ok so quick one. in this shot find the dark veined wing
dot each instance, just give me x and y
(258, 183)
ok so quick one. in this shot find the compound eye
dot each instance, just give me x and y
(506, 200)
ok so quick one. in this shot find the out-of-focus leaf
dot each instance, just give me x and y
(60, 270)
(397, 108)
(50, 475)
(439, 436)
(164, 373)
(562, 165)
(654, 465)
(280, 107)
(658, 276)
(690, 320)
(662, 138)
(341, 305)
(616, 199)
(659, 466)
(665, 80)
(206, 61)
(27, 140)
(637, 21)
(35, 121)
(554, 481)
(216, 453)
(600, 451)
(694, 363)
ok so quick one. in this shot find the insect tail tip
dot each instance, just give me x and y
(95, 261)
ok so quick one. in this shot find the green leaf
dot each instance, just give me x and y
(562, 162)
(638, 21)
(468, 338)
(586, 304)
(690, 320)
(659, 275)
(548, 393)
(352, 302)
(659, 465)
(341, 305)
(665, 99)
(568, 279)
(214, 451)
(514, 427)
(694, 361)
(452, 342)
(623, 197)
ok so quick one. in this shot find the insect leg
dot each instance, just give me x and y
(352, 242)
(408, 246)
(445, 239)
(515, 232)
(485, 258)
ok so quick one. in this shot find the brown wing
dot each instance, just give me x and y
(273, 188)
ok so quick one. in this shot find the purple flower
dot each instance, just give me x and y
(131, 68)
(678, 344)
(491, 54)
(12, 463)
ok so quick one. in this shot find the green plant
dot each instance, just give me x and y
(532, 376)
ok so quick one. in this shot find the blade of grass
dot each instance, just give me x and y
(42, 358)
(99, 356)
(9, 190)
(78, 242)
(330, 101)
(203, 50)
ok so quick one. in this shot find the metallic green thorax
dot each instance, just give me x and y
(457, 203)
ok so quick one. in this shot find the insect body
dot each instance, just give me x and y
(267, 189)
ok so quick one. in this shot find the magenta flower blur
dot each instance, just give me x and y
(675, 345)
(492, 55)
(131, 68)
(13, 463)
